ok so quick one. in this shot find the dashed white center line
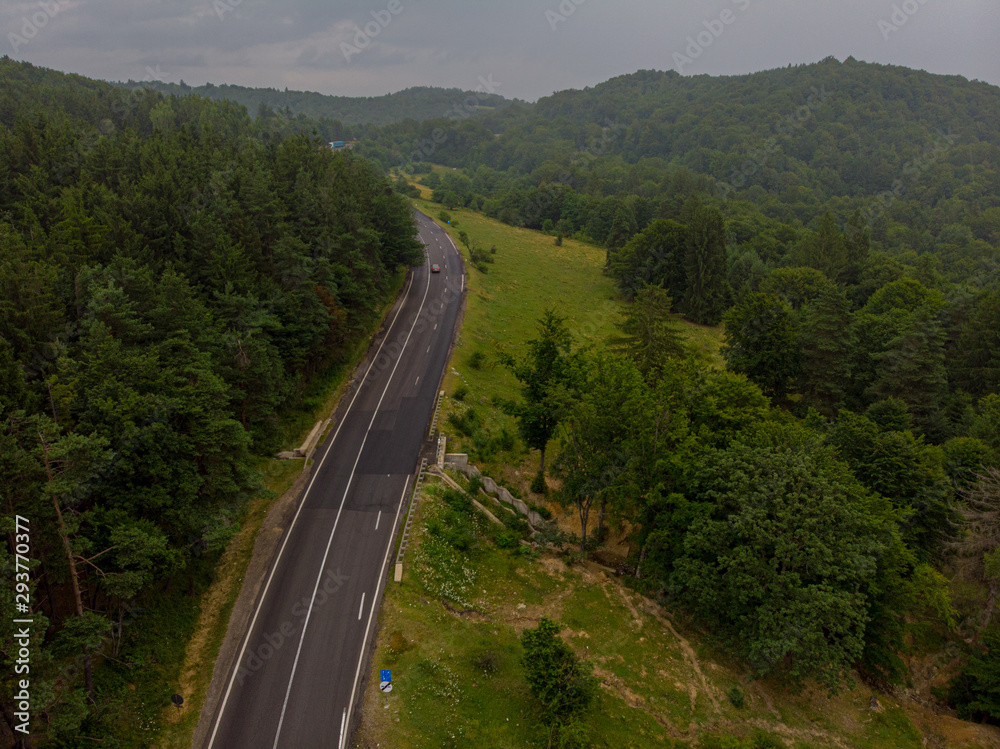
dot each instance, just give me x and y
(435, 327)
(378, 519)
(362, 609)
(417, 382)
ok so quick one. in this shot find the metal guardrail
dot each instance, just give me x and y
(417, 486)
(437, 413)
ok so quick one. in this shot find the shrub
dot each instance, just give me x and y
(454, 528)
(477, 360)
(445, 216)
(488, 661)
(396, 646)
(507, 539)
(975, 692)
(460, 392)
(555, 676)
(538, 485)
(735, 695)
(467, 423)
(542, 510)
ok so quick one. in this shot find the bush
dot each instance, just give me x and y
(458, 501)
(450, 529)
(477, 360)
(460, 392)
(735, 695)
(488, 661)
(542, 510)
(467, 423)
(975, 692)
(538, 485)
(555, 676)
(445, 216)
(396, 646)
(507, 539)
(503, 442)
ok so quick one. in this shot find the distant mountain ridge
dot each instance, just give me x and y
(416, 103)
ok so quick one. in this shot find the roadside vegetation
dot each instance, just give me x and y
(452, 634)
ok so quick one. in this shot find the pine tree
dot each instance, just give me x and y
(974, 362)
(546, 375)
(858, 245)
(913, 370)
(648, 336)
(623, 228)
(825, 250)
(826, 350)
(762, 343)
(705, 264)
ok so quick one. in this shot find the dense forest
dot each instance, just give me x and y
(418, 103)
(173, 275)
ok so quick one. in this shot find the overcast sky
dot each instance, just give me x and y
(524, 48)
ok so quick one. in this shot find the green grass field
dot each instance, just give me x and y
(528, 275)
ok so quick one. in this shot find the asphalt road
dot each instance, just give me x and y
(297, 680)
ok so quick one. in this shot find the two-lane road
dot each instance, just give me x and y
(296, 681)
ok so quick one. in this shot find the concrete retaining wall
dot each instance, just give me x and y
(534, 519)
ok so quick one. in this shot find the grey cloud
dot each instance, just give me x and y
(533, 46)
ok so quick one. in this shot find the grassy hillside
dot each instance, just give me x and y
(529, 273)
(450, 634)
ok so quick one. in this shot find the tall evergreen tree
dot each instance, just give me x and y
(547, 375)
(648, 335)
(825, 333)
(858, 245)
(824, 250)
(974, 359)
(761, 341)
(913, 370)
(705, 264)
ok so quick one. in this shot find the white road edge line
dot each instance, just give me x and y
(340, 510)
(361, 608)
(371, 616)
(267, 585)
(343, 722)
